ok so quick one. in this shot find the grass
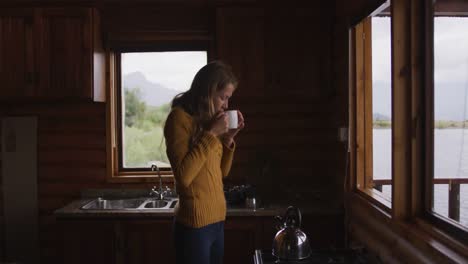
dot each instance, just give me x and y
(438, 124)
(382, 124)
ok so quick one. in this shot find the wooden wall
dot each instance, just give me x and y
(2, 231)
(71, 156)
(283, 58)
(290, 59)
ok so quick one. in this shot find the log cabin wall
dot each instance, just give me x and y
(282, 55)
(71, 157)
(2, 231)
(290, 57)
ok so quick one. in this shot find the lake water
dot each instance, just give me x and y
(450, 161)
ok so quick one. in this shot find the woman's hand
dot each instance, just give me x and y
(228, 137)
(219, 124)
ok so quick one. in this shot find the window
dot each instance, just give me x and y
(373, 108)
(428, 100)
(449, 188)
(149, 82)
(143, 83)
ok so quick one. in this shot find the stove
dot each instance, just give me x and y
(333, 256)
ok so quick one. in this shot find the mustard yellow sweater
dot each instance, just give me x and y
(198, 171)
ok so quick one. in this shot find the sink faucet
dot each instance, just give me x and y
(160, 193)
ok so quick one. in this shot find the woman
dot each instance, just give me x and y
(200, 148)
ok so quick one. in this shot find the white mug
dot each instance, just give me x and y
(232, 119)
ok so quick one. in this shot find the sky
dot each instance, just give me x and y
(450, 66)
(173, 70)
(450, 44)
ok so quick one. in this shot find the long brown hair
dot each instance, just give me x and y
(198, 100)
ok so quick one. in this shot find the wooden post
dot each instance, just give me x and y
(378, 187)
(401, 106)
(454, 201)
(359, 105)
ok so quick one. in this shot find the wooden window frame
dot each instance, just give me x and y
(363, 116)
(119, 43)
(445, 224)
(407, 127)
(411, 217)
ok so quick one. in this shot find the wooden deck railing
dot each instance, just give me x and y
(454, 193)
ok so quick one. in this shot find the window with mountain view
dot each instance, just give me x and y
(149, 82)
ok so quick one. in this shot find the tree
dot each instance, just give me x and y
(135, 108)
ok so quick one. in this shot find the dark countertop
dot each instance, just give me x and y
(72, 210)
(337, 256)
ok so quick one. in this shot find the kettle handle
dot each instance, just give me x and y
(279, 222)
(297, 213)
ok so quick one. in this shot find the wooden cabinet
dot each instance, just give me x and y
(57, 54)
(66, 52)
(278, 51)
(87, 241)
(151, 240)
(17, 70)
(147, 241)
(242, 235)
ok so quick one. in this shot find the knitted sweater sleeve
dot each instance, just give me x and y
(226, 160)
(186, 162)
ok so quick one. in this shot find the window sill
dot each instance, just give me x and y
(452, 248)
(373, 196)
(135, 177)
(418, 238)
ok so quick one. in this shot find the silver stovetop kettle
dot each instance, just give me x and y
(290, 243)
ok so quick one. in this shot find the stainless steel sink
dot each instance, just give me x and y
(159, 204)
(155, 204)
(129, 204)
(105, 204)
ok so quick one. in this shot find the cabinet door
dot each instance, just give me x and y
(16, 53)
(65, 52)
(242, 235)
(148, 241)
(88, 241)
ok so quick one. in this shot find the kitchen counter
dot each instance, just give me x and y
(132, 236)
(73, 210)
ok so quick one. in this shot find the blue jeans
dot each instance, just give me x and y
(203, 245)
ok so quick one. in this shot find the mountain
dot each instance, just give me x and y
(153, 94)
(378, 116)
